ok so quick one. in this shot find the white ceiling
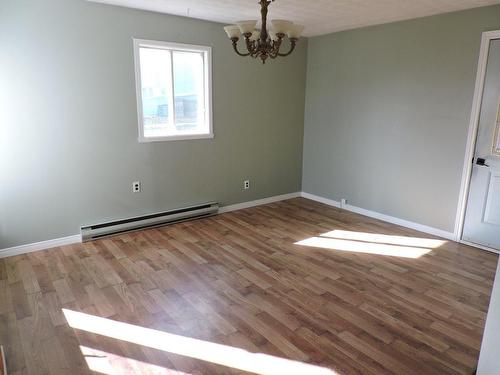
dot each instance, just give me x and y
(319, 16)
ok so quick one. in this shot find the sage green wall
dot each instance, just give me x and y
(68, 122)
(387, 113)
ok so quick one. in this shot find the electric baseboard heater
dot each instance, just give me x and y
(92, 232)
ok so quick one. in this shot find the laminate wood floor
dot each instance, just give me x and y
(357, 296)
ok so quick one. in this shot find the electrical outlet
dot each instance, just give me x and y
(136, 187)
(343, 203)
(246, 184)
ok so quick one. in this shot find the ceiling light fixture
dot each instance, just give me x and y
(263, 43)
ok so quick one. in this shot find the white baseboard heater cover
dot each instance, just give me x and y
(96, 231)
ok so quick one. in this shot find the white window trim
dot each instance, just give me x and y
(208, 87)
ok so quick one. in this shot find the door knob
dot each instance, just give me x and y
(481, 162)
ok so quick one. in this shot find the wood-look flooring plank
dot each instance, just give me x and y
(241, 280)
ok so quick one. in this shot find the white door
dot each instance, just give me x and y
(482, 218)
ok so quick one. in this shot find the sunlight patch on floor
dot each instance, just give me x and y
(372, 243)
(224, 355)
(429, 243)
(113, 364)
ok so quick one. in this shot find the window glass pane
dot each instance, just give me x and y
(189, 92)
(156, 89)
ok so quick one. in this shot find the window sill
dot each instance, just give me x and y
(176, 138)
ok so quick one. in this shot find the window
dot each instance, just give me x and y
(173, 84)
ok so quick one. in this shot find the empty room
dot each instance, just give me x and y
(267, 187)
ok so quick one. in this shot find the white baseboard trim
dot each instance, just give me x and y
(258, 202)
(43, 245)
(317, 198)
(486, 248)
(29, 248)
(383, 217)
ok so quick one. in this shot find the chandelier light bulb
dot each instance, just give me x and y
(295, 31)
(246, 26)
(232, 31)
(255, 35)
(281, 26)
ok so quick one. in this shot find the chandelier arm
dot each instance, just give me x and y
(256, 52)
(252, 46)
(293, 43)
(275, 48)
(235, 47)
(258, 49)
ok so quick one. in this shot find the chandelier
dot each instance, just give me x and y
(265, 43)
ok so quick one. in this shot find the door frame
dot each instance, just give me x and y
(486, 39)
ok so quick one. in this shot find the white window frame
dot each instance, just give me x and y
(207, 58)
